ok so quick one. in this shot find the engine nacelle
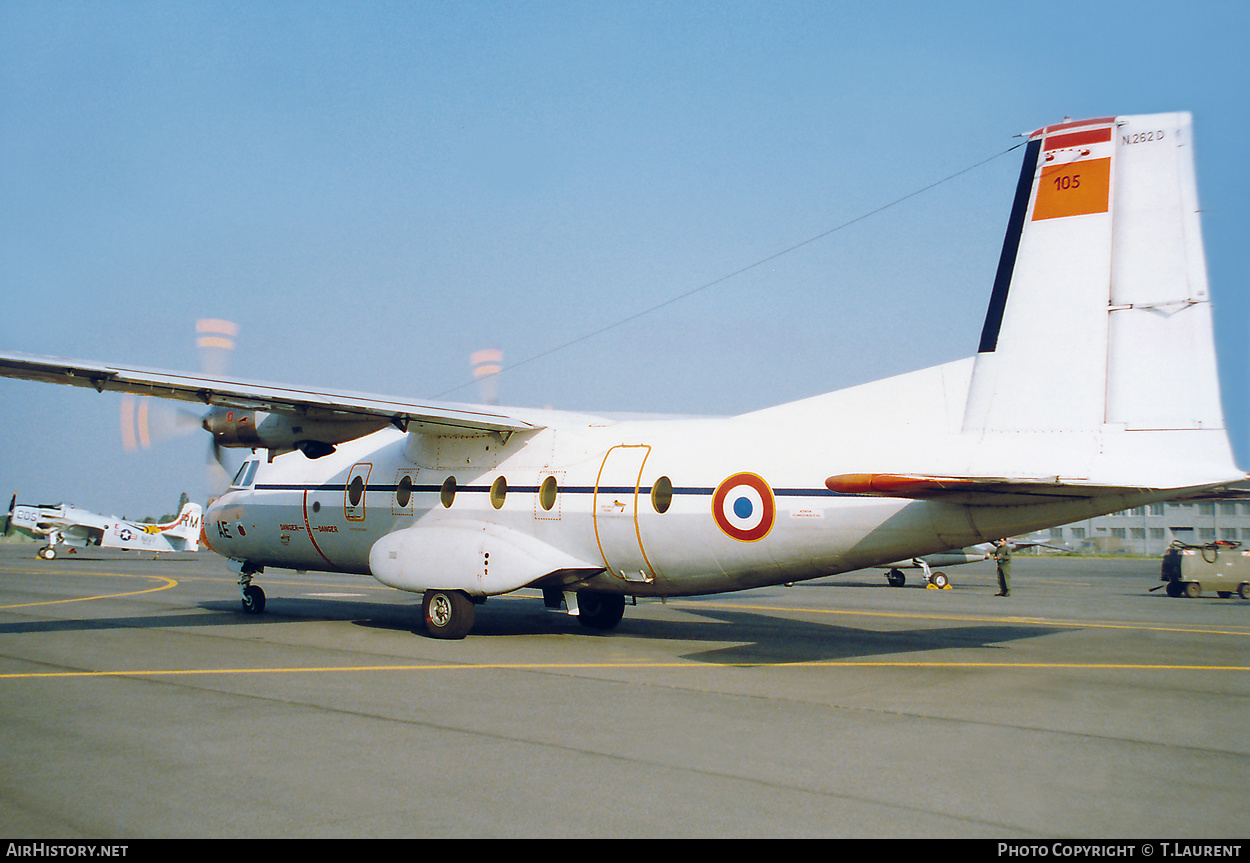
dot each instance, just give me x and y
(231, 427)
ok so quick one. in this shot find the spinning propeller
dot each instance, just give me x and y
(145, 420)
(8, 517)
(487, 364)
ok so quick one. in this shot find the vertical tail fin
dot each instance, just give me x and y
(186, 526)
(1100, 318)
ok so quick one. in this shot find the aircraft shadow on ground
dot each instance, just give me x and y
(766, 640)
(754, 638)
(229, 613)
(742, 637)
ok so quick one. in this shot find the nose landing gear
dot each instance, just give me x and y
(253, 596)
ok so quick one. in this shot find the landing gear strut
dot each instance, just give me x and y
(253, 596)
(597, 610)
(895, 576)
(48, 552)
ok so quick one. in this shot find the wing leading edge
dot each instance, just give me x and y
(251, 395)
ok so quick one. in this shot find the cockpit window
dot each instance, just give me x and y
(246, 474)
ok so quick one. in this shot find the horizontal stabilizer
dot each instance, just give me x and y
(1232, 491)
(971, 491)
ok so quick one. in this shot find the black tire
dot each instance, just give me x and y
(940, 580)
(253, 599)
(597, 610)
(447, 613)
(1244, 590)
(896, 578)
(1175, 589)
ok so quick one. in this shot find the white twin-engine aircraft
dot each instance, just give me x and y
(1101, 293)
(66, 524)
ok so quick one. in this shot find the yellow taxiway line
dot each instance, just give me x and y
(168, 583)
(1032, 621)
(620, 666)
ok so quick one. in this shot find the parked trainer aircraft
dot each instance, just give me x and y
(929, 564)
(1101, 287)
(66, 524)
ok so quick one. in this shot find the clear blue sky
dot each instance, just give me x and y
(375, 190)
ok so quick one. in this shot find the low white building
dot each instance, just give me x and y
(1151, 529)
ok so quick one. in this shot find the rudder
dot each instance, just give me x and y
(1100, 316)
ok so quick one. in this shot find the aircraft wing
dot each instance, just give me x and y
(47, 522)
(977, 491)
(70, 527)
(250, 395)
(84, 533)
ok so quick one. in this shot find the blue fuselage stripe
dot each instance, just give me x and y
(533, 489)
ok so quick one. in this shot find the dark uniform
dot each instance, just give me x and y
(1002, 554)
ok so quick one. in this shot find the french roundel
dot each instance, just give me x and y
(744, 508)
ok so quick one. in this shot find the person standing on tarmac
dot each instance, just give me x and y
(1002, 554)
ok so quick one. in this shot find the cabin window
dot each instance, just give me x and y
(356, 490)
(547, 493)
(447, 494)
(403, 492)
(498, 491)
(662, 494)
(247, 472)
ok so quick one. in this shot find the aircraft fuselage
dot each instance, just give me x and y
(647, 508)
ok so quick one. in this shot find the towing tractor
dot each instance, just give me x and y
(1221, 567)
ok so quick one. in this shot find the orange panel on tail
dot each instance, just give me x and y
(1075, 189)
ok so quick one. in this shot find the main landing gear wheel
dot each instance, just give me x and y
(896, 578)
(939, 579)
(253, 599)
(600, 610)
(447, 613)
(47, 552)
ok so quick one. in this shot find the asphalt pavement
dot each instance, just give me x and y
(138, 701)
